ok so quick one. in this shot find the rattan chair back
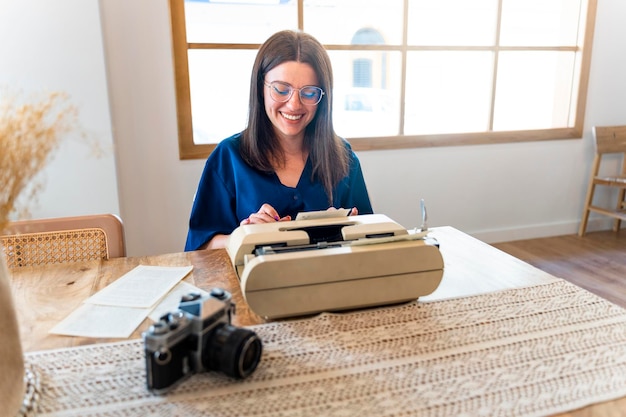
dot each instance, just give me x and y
(62, 240)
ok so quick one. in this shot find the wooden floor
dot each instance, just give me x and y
(596, 261)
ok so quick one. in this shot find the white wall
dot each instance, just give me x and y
(57, 46)
(494, 192)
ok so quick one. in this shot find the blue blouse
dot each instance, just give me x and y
(230, 190)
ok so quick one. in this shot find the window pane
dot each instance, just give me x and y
(452, 22)
(237, 22)
(220, 87)
(449, 61)
(338, 22)
(372, 110)
(540, 22)
(533, 90)
(448, 92)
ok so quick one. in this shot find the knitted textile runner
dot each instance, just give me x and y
(524, 352)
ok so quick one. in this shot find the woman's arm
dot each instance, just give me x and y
(218, 242)
(266, 214)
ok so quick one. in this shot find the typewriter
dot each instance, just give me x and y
(303, 267)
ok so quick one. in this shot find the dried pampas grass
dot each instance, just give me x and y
(30, 132)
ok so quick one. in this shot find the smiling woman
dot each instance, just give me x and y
(451, 72)
(291, 114)
(288, 159)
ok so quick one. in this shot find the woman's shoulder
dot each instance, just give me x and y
(226, 148)
(226, 153)
(353, 159)
(344, 142)
(347, 146)
(229, 144)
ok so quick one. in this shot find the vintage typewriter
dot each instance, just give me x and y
(332, 263)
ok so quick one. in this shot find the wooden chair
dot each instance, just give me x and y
(607, 140)
(63, 239)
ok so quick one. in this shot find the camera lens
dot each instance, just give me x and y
(232, 350)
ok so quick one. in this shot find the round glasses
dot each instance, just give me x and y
(282, 92)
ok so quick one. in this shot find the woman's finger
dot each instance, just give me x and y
(269, 211)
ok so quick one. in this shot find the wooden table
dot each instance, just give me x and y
(45, 295)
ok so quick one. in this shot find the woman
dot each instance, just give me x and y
(289, 159)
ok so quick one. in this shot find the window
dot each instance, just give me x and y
(408, 73)
(362, 76)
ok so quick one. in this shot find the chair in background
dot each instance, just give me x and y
(63, 239)
(607, 140)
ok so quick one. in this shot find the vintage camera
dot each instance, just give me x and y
(199, 337)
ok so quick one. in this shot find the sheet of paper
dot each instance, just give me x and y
(142, 287)
(118, 309)
(322, 214)
(91, 320)
(172, 299)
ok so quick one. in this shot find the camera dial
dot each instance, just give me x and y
(162, 357)
(159, 328)
(192, 296)
(218, 293)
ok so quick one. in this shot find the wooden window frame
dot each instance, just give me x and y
(190, 150)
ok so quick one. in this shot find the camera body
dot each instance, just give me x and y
(198, 337)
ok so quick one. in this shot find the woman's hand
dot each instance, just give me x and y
(266, 214)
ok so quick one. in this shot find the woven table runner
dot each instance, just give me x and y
(524, 352)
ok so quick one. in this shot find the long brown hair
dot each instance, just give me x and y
(259, 146)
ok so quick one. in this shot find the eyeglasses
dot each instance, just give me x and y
(282, 92)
